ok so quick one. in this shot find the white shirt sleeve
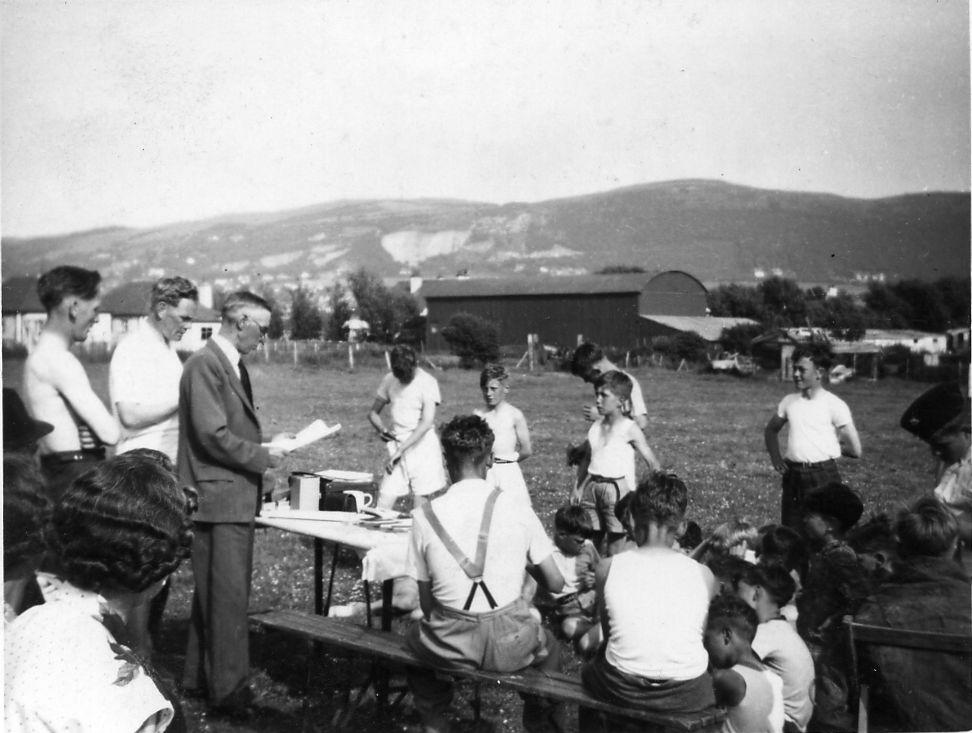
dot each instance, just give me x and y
(415, 566)
(384, 388)
(637, 399)
(540, 547)
(840, 414)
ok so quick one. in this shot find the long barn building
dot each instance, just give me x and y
(613, 310)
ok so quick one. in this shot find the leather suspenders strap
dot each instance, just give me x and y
(472, 569)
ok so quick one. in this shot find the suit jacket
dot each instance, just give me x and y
(219, 439)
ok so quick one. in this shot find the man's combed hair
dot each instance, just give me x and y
(491, 372)
(122, 526)
(57, 284)
(617, 382)
(585, 357)
(466, 436)
(731, 611)
(660, 499)
(25, 511)
(403, 363)
(239, 301)
(927, 528)
(170, 290)
(573, 519)
(820, 354)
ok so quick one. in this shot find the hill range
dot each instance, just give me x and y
(717, 231)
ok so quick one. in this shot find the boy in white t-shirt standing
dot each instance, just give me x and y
(414, 455)
(821, 429)
(511, 435)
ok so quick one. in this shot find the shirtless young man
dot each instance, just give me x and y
(56, 387)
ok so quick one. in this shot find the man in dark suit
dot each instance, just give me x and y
(222, 455)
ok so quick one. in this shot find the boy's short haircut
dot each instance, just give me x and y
(617, 382)
(732, 611)
(783, 545)
(730, 534)
(660, 499)
(691, 537)
(403, 363)
(573, 519)
(728, 569)
(585, 357)
(819, 354)
(772, 578)
(467, 436)
(874, 535)
(491, 372)
(170, 290)
(926, 529)
(57, 284)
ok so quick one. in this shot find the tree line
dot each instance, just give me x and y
(779, 302)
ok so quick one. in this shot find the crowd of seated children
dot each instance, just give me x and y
(751, 693)
(468, 551)
(652, 604)
(111, 539)
(767, 588)
(926, 590)
(511, 436)
(571, 611)
(609, 473)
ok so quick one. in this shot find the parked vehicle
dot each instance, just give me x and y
(733, 363)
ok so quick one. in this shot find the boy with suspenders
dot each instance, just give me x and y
(473, 613)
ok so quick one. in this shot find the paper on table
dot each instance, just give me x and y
(311, 434)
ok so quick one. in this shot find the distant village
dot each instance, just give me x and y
(621, 310)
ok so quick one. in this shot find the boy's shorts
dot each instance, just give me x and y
(419, 471)
(598, 497)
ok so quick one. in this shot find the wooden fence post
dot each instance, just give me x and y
(295, 353)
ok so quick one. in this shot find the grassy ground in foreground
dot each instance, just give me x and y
(708, 428)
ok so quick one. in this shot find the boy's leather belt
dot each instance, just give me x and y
(817, 464)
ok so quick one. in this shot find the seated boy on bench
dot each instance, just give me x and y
(468, 551)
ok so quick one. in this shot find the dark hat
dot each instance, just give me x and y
(835, 500)
(937, 408)
(19, 429)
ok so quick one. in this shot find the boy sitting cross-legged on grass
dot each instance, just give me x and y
(469, 550)
(767, 588)
(610, 472)
(752, 694)
(572, 609)
(652, 602)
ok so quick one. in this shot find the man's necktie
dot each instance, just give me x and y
(245, 379)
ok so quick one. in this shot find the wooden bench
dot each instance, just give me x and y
(390, 648)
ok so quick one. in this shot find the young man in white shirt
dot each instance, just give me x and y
(474, 616)
(145, 370)
(821, 429)
(56, 387)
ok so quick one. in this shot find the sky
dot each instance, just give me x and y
(136, 113)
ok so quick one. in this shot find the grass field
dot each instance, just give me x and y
(707, 428)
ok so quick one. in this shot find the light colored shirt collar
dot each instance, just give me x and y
(229, 350)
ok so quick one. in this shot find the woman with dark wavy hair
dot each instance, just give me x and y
(118, 531)
(25, 509)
